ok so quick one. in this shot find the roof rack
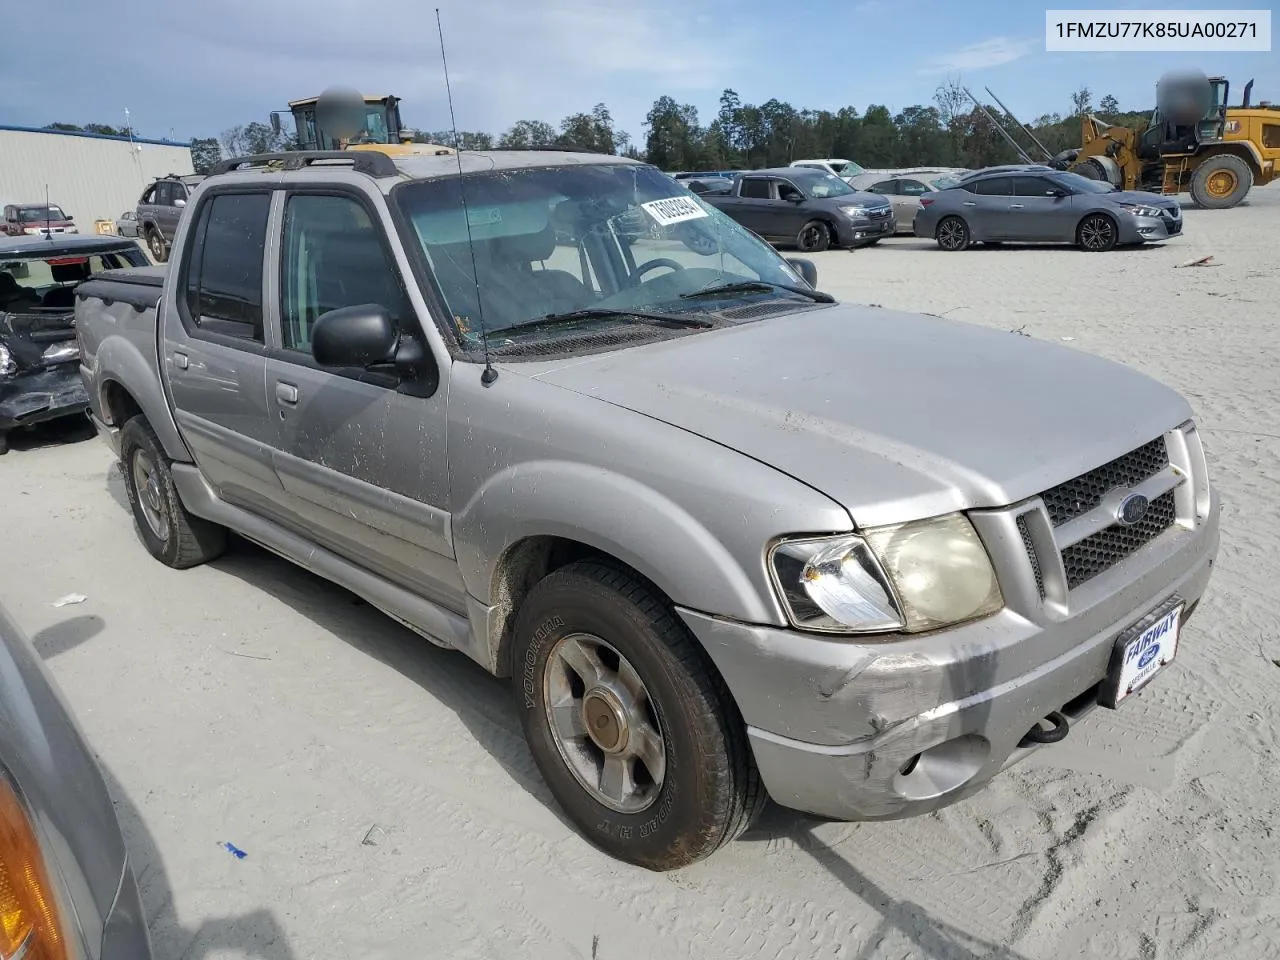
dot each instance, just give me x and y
(371, 162)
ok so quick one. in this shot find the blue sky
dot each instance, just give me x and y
(195, 67)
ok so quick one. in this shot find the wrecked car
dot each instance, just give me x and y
(39, 354)
(728, 538)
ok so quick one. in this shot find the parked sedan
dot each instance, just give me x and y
(1044, 206)
(903, 191)
(127, 224)
(69, 889)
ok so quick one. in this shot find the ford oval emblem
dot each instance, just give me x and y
(1132, 509)
(1147, 657)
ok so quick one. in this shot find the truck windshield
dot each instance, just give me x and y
(592, 241)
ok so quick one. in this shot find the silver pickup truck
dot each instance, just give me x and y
(728, 538)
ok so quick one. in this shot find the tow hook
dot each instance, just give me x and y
(1056, 732)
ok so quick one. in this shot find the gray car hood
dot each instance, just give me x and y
(893, 415)
(1141, 197)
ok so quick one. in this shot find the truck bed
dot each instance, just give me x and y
(136, 286)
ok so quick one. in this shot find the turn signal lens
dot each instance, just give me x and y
(29, 926)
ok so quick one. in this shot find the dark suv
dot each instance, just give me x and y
(159, 211)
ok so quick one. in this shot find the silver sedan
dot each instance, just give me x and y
(1044, 207)
(903, 191)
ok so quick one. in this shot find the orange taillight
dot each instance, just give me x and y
(28, 914)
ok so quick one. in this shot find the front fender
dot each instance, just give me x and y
(610, 512)
(120, 362)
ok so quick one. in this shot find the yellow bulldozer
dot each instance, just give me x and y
(342, 119)
(1194, 143)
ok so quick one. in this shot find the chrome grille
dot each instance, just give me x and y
(1099, 552)
(878, 213)
(1077, 497)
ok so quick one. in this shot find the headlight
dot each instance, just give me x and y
(32, 926)
(855, 211)
(1138, 210)
(909, 577)
(8, 366)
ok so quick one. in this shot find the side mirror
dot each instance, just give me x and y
(807, 270)
(795, 198)
(179, 202)
(1057, 192)
(359, 336)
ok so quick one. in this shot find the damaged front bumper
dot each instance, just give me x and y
(45, 393)
(857, 730)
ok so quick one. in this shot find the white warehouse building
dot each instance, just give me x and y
(90, 176)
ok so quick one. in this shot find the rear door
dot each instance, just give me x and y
(906, 202)
(215, 346)
(166, 211)
(753, 209)
(988, 209)
(360, 456)
(1036, 214)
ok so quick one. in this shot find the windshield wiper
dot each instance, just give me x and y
(747, 286)
(603, 313)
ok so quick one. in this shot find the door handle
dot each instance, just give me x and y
(1015, 206)
(971, 203)
(180, 360)
(287, 393)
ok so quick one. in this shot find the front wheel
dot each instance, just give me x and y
(953, 234)
(628, 722)
(1097, 233)
(1221, 182)
(169, 532)
(814, 237)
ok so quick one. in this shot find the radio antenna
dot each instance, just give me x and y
(489, 375)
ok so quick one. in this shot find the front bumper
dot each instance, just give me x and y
(1142, 229)
(42, 394)
(833, 723)
(124, 935)
(863, 230)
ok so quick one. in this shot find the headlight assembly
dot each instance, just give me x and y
(1138, 210)
(855, 211)
(909, 577)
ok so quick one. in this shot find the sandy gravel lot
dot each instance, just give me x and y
(389, 808)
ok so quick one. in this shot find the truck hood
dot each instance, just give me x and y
(893, 415)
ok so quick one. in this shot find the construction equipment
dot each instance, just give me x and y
(1193, 143)
(342, 119)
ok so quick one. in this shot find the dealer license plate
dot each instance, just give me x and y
(1141, 652)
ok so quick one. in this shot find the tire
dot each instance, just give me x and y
(169, 532)
(952, 234)
(814, 237)
(1097, 233)
(1221, 182)
(704, 791)
(1090, 169)
(155, 243)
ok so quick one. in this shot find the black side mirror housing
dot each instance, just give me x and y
(360, 336)
(1058, 192)
(795, 198)
(807, 270)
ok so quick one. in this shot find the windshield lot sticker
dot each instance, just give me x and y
(673, 210)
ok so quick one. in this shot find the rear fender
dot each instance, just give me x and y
(119, 364)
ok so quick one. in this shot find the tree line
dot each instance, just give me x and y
(950, 132)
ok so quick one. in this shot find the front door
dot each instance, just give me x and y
(1037, 214)
(360, 455)
(215, 347)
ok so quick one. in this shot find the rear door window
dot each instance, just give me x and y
(993, 187)
(757, 188)
(224, 274)
(886, 187)
(1032, 187)
(912, 188)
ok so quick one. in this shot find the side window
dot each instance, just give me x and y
(912, 188)
(756, 188)
(164, 193)
(1271, 135)
(994, 187)
(179, 192)
(224, 274)
(148, 197)
(333, 257)
(788, 191)
(886, 187)
(1031, 186)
